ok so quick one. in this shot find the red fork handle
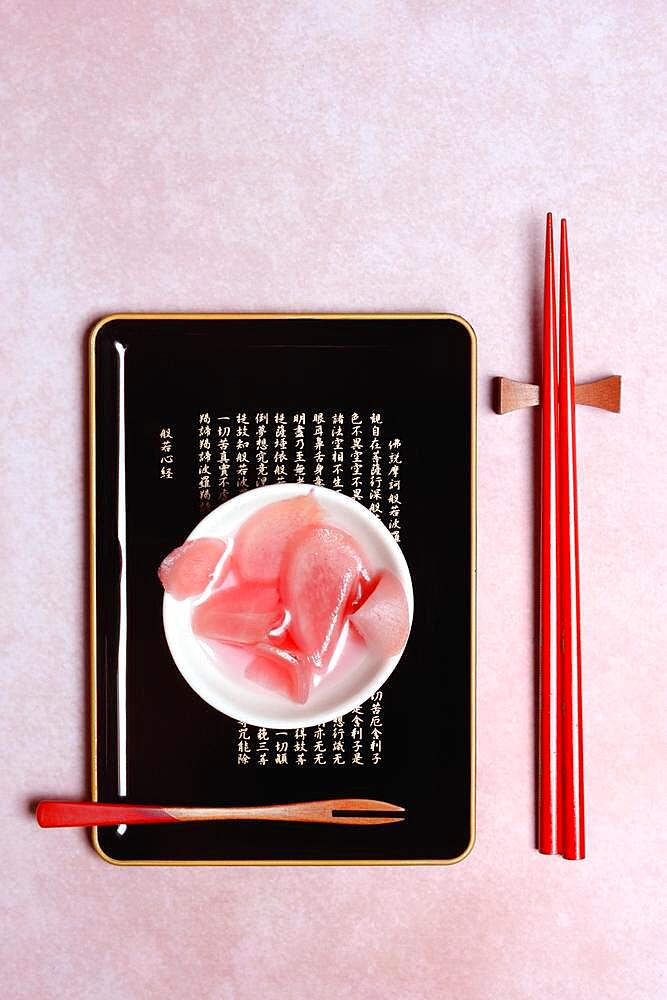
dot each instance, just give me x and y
(98, 814)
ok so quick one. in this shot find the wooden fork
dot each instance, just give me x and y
(361, 812)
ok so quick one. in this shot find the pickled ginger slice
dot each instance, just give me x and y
(319, 581)
(261, 540)
(244, 614)
(187, 571)
(384, 619)
(271, 675)
(299, 668)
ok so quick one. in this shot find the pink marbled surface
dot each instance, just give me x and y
(343, 156)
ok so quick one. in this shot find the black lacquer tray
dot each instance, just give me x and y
(379, 407)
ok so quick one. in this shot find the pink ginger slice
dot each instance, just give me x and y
(243, 614)
(281, 670)
(271, 675)
(261, 541)
(187, 571)
(383, 619)
(319, 581)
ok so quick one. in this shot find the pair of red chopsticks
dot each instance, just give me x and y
(561, 775)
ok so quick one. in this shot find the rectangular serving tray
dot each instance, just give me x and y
(157, 381)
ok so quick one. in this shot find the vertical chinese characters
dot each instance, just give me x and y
(394, 486)
(281, 747)
(337, 455)
(224, 433)
(357, 458)
(338, 740)
(357, 735)
(204, 466)
(300, 748)
(262, 746)
(242, 448)
(319, 746)
(376, 728)
(166, 453)
(262, 449)
(243, 745)
(280, 449)
(375, 493)
(318, 440)
(299, 424)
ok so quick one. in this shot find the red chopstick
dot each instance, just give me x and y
(549, 774)
(572, 800)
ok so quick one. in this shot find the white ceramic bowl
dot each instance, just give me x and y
(338, 693)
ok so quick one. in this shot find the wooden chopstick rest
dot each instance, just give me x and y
(605, 393)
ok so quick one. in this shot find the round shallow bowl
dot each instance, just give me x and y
(340, 691)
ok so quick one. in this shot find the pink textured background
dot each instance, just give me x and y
(335, 156)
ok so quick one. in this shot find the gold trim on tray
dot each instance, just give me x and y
(93, 578)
